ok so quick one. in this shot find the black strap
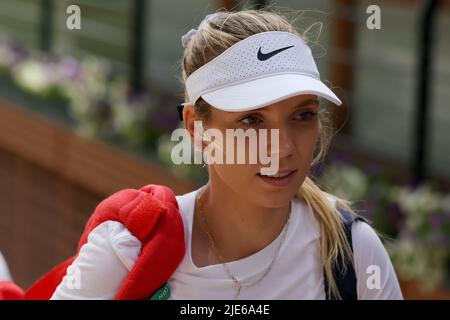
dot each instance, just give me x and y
(180, 108)
(345, 281)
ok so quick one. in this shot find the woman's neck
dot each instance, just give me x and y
(239, 227)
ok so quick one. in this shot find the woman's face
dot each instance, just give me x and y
(296, 118)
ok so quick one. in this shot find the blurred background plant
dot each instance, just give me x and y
(422, 248)
(192, 171)
(100, 101)
(414, 219)
(11, 54)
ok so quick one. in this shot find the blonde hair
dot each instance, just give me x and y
(219, 34)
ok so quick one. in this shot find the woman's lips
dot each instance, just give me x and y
(278, 182)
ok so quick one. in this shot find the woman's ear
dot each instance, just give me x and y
(188, 119)
(192, 125)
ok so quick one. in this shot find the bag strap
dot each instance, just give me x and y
(345, 282)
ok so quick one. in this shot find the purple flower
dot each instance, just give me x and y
(340, 159)
(394, 213)
(446, 214)
(164, 120)
(16, 52)
(317, 169)
(69, 69)
(439, 239)
(408, 235)
(414, 184)
(134, 96)
(437, 219)
(372, 169)
(369, 208)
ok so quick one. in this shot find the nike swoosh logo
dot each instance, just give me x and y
(268, 55)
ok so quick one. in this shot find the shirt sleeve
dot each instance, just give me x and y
(375, 273)
(101, 265)
(4, 270)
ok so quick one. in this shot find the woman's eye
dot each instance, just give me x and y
(254, 120)
(251, 120)
(306, 116)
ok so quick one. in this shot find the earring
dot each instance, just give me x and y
(206, 157)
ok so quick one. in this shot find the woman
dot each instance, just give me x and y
(252, 234)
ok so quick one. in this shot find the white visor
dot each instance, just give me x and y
(260, 70)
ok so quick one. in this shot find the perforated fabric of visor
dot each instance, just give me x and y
(240, 63)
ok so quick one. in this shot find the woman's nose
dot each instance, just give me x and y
(284, 144)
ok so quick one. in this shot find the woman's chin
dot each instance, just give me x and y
(274, 199)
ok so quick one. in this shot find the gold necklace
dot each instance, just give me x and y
(219, 256)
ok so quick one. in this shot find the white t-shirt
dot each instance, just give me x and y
(296, 274)
(4, 270)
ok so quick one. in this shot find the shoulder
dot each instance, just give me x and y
(376, 278)
(186, 201)
(364, 235)
(367, 244)
(374, 270)
(186, 205)
(183, 198)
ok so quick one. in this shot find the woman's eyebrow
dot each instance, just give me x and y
(263, 110)
(307, 103)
